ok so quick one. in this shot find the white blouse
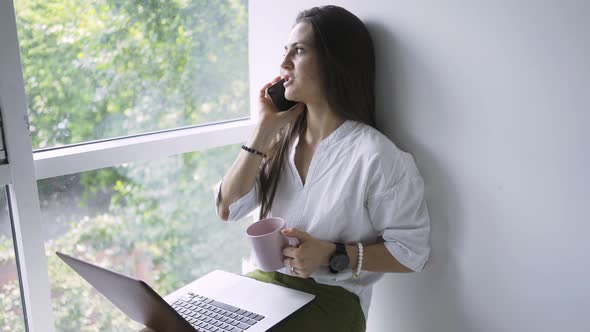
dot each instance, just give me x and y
(360, 186)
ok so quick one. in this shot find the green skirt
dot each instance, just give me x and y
(333, 309)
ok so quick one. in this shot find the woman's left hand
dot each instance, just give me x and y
(309, 255)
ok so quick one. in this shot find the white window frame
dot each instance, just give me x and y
(26, 166)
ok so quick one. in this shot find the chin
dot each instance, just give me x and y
(289, 94)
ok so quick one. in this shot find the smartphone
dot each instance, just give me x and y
(277, 94)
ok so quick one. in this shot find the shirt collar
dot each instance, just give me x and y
(342, 131)
(339, 133)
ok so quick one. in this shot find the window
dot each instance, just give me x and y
(154, 220)
(125, 115)
(103, 69)
(11, 315)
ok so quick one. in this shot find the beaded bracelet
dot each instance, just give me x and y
(359, 265)
(254, 151)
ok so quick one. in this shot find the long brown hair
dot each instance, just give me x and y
(347, 64)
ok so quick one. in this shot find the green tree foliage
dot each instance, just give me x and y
(101, 69)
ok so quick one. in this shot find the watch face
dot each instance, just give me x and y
(339, 262)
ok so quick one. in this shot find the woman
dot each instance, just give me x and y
(351, 197)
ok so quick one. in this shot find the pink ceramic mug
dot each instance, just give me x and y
(268, 243)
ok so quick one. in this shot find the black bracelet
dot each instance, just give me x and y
(254, 151)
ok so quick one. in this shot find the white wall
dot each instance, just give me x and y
(492, 98)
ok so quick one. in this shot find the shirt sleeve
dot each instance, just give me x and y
(399, 213)
(243, 206)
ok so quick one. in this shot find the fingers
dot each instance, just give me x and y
(289, 262)
(262, 93)
(295, 269)
(289, 252)
(276, 79)
(296, 233)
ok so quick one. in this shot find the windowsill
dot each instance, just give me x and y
(85, 157)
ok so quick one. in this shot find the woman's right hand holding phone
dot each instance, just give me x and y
(270, 119)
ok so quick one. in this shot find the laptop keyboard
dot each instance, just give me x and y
(208, 315)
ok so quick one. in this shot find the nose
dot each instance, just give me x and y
(287, 63)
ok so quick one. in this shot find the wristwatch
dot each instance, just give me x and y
(339, 260)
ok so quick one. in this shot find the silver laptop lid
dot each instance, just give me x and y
(134, 297)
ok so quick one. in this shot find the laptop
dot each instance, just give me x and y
(219, 301)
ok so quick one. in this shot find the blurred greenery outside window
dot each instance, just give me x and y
(11, 313)
(110, 68)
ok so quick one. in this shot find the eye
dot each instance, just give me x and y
(298, 50)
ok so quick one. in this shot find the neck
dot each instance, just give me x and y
(321, 122)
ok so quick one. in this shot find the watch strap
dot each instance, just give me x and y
(340, 250)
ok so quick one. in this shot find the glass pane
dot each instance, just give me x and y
(11, 311)
(153, 220)
(105, 68)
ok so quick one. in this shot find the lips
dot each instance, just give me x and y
(288, 81)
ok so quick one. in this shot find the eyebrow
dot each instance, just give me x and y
(297, 43)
